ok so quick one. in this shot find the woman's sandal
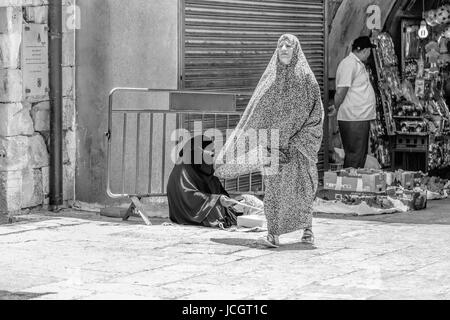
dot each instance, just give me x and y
(308, 237)
(270, 241)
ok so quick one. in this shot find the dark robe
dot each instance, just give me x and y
(194, 195)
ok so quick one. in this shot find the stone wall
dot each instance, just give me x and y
(25, 120)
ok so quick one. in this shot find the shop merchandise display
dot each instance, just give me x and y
(413, 92)
(379, 141)
(389, 84)
(437, 74)
(383, 190)
(413, 95)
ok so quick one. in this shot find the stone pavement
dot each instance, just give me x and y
(75, 255)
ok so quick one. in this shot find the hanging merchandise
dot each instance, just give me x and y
(424, 111)
(444, 58)
(439, 153)
(443, 15)
(387, 51)
(411, 68)
(386, 63)
(443, 45)
(411, 52)
(447, 32)
(379, 140)
(432, 49)
(420, 81)
(414, 109)
(431, 18)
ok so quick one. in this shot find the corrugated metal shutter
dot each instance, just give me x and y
(227, 44)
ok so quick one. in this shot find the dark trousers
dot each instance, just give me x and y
(355, 139)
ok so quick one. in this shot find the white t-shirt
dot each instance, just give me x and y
(360, 102)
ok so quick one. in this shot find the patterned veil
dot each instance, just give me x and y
(284, 112)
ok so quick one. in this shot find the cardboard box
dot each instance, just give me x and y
(251, 221)
(407, 179)
(355, 180)
(390, 178)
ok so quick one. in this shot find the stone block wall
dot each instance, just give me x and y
(25, 121)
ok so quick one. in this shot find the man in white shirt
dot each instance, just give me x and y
(355, 103)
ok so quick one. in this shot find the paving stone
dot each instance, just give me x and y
(352, 260)
(9, 280)
(164, 275)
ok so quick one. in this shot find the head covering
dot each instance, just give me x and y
(362, 43)
(193, 153)
(284, 99)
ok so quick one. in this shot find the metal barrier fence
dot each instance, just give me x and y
(139, 142)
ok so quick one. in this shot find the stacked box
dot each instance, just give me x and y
(408, 179)
(351, 180)
(390, 178)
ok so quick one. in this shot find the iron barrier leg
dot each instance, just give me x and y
(136, 209)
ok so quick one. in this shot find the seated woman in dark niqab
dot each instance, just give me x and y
(195, 195)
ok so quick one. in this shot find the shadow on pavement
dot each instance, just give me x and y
(253, 244)
(20, 219)
(6, 295)
(95, 216)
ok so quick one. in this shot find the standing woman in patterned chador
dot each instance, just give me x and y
(288, 99)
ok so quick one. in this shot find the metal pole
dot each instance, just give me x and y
(55, 77)
(326, 89)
